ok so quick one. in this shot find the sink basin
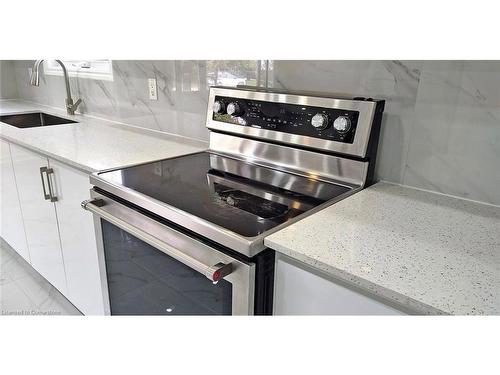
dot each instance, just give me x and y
(34, 119)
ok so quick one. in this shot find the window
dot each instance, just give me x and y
(233, 73)
(94, 69)
(196, 76)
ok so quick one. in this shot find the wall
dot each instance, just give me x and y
(441, 128)
(180, 108)
(8, 84)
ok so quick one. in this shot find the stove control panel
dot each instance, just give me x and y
(326, 123)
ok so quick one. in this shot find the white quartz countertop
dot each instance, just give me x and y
(429, 252)
(93, 144)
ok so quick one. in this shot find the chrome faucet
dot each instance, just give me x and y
(35, 81)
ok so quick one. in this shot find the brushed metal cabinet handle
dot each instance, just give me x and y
(50, 172)
(42, 171)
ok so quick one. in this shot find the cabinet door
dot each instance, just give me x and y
(300, 290)
(11, 219)
(40, 220)
(76, 228)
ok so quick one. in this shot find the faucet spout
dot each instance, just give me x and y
(35, 81)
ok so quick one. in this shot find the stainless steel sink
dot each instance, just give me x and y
(34, 119)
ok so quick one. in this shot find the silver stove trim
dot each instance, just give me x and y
(358, 148)
(325, 167)
(248, 246)
(349, 173)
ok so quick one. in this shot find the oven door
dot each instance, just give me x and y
(149, 268)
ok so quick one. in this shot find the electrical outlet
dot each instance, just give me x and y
(153, 92)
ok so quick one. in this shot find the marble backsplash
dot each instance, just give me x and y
(441, 127)
(8, 84)
(179, 109)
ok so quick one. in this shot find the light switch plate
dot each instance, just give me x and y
(153, 92)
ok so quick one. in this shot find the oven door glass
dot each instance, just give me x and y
(143, 280)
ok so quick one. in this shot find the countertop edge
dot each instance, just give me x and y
(81, 167)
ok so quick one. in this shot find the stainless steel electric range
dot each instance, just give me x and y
(186, 235)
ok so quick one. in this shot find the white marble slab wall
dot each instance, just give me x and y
(179, 109)
(455, 142)
(441, 128)
(8, 85)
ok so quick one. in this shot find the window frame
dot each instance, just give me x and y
(98, 70)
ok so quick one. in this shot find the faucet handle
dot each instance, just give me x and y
(71, 107)
(75, 106)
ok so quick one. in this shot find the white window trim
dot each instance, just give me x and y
(99, 69)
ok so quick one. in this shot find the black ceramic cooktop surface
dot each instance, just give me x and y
(242, 197)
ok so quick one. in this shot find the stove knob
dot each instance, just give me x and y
(320, 121)
(218, 107)
(233, 109)
(342, 124)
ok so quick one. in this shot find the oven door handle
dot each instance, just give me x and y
(212, 272)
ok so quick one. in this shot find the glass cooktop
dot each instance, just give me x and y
(242, 197)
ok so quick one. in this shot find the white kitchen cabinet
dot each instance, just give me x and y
(76, 228)
(11, 219)
(40, 218)
(301, 290)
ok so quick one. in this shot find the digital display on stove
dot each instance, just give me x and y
(325, 123)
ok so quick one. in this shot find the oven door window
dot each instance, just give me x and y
(142, 280)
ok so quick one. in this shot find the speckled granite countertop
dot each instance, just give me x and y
(93, 144)
(432, 253)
